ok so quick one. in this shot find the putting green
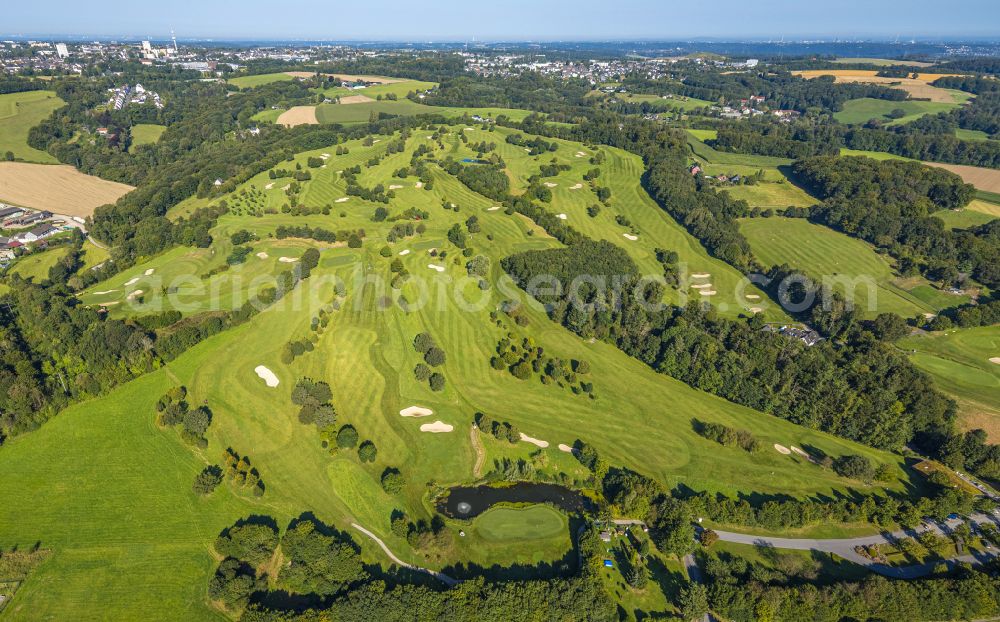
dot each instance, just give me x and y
(534, 522)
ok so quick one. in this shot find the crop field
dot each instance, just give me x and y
(862, 110)
(820, 251)
(883, 62)
(959, 360)
(158, 533)
(987, 179)
(147, 133)
(19, 112)
(918, 87)
(60, 189)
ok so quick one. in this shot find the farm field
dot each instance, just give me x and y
(987, 179)
(297, 115)
(959, 362)
(147, 133)
(882, 62)
(19, 112)
(60, 188)
(977, 212)
(857, 111)
(918, 87)
(820, 251)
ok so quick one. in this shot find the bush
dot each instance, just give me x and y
(436, 382)
(207, 481)
(367, 451)
(347, 437)
(855, 467)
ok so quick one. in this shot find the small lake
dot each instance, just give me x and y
(470, 501)
(473, 161)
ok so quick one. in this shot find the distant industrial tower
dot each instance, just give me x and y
(174, 39)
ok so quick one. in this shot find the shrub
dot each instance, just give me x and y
(367, 451)
(207, 481)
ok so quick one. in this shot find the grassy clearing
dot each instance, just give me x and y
(400, 89)
(147, 133)
(249, 82)
(865, 109)
(807, 565)
(662, 102)
(704, 153)
(655, 600)
(19, 112)
(772, 194)
(36, 265)
(971, 134)
(875, 155)
(144, 550)
(959, 362)
(361, 113)
(820, 251)
(976, 213)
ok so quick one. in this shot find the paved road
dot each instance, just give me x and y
(437, 575)
(844, 547)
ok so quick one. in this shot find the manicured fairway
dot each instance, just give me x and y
(19, 112)
(147, 133)
(531, 523)
(36, 265)
(823, 252)
(959, 362)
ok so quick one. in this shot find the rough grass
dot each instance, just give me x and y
(820, 251)
(19, 112)
(36, 265)
(248, 82)
(147, 133)
(143, 550)
(676, 102)
(772, 194)
(958, 360)
(976, 213)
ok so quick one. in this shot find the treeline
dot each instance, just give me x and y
(889, 204)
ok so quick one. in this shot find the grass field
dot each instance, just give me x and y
(875, 155)
(977, 212)
(882, 62)
(772, 194)
(36, 265)
(862, 110)
(707, 154)
(820, 251)
(959, 362)
(249, 82)
(971, 134)
(807, 565)
(143, 551)
(666, 578)
(19, 112)
(676, 102)
(60, 189)
(703, 135)
(400, 89)
(147, 133)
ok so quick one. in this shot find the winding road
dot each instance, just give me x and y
(450, 581)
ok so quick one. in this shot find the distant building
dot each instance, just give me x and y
(62, 50)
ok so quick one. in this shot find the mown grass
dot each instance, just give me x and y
(36, 265)
(143, 550)
(19, 112)
(248, 82)
(822, 252)
(959, 362)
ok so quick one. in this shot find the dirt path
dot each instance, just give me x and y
(437, 575)
(477, 444)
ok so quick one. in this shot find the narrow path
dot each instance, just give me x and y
(437, 575)
(477, 444)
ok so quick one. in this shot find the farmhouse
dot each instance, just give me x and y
(41, 231)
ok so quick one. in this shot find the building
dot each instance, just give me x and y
(62, 50)
(7, 212)
(40, 232)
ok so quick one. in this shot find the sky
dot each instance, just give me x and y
(520, 20)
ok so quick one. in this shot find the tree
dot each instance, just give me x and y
(347, 436)
(207, 481)
(890, 327)
(422, 372)
(392, 481)
(694, 601)
(250, 542)
(708, 538)
(434, 356)
(437, 382)
(367, 451)
(855, 467)
(9, 156)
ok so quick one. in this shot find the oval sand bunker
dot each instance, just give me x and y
(437, 427)
(416, 411)
(266, 375)
(781, 449)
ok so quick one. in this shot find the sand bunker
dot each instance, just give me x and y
(701, 285)
(700, 275)
(135, 294)
(107, 291)
(324, 155)
(549, 184)
(534, 441)
(324, 166)
(377, 140)
(395, 187)
(419, 184)
(150, 271)
(416, 411)
(561, 216)
(752, 297)
(581, 154)
(262, 255)
(576, 187)
(801, 453)
(342, 200)
(266, 375)
(434, 266)
(995, 360)
(287, 259)
(286, 186)
(131, 281)
(493, 209)
(269, 186)
(755, 309)
(565, 447)
(437, 427)
(781, 449)
(707, 292)
(629, 236)
(404, 252)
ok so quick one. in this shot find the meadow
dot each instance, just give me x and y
(959, 362)
(857, 111)
(662, 102)
(977, 212)
(144, 550)
(19, 112)
(147, 133)
(820, 251)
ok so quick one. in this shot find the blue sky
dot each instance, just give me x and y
(504, 19)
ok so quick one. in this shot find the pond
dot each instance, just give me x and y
(471, 501)
(473, 161)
